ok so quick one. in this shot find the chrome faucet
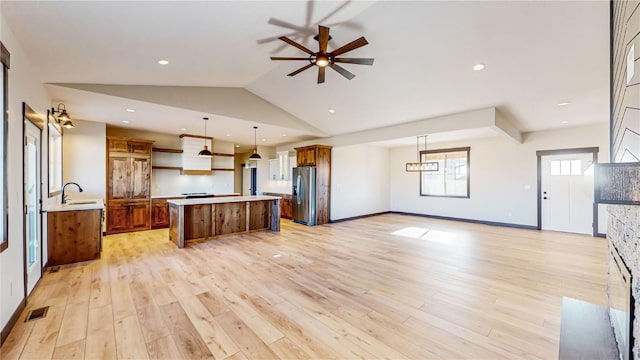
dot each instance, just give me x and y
(64, 196)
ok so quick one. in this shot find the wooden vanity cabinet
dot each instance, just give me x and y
(73, 236)
(128, 185)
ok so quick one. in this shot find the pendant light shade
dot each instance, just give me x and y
(205, 150)
(255, 155)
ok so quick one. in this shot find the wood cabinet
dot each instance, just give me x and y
(128, 185)
(286, 211)
(73, 236)
(320, 157)
(160, 212)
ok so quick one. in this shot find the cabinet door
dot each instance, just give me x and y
(285, 208)
(140, 178)
(140, 216)
(118, 178)
(274, 169)
(159, 214)
(139, 148)
(116, 145)
(118, 218)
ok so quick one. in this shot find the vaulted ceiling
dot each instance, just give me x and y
(100, 58)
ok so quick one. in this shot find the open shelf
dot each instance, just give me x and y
(165, 150)
(223, 154)
(222, 169)
(166, 167)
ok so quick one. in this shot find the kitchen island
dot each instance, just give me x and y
(208, 218)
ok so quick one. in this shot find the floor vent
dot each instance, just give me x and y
(54, 269)
(36, 314)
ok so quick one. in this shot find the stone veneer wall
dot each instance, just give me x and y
(623, 232)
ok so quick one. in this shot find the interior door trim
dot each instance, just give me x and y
(585, 150)
(29, 115)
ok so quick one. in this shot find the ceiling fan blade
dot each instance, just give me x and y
(287, 25)
(342, 71)
(323, 38)
(335, 11)
(287, 58)
(350, 46)
(321, 74)
(359, 61)
(300, 70)
(295, 44)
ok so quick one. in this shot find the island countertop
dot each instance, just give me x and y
(220, 200)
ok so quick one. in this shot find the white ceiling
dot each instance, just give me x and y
(537, 54)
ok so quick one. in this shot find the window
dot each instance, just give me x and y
(55, 157)
(452, 177)
(566, 167)
(4, 99)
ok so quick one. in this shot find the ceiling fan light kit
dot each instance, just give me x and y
(323, 59)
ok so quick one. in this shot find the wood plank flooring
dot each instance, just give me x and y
(346, 290)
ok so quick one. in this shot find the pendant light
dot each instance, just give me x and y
(420, 166)
(255, 155)
(205, 150)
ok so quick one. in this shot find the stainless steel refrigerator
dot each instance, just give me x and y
(304, 195)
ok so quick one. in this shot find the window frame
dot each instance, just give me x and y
(4, 108)
(54, 129)
(466, 149)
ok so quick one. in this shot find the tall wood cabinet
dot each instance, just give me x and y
(320, 157)
(128, 185)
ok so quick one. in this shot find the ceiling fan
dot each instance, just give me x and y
(323, 59)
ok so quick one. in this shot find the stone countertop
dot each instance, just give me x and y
(221, 200)
(184, 196)
(75, 205)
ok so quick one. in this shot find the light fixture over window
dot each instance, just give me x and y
(255, 155)
(420, 166)
(205, 150)
(63, 119)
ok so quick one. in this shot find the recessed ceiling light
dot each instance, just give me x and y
(131, 110)
(332, 111)
(237, 146)
(125, 121)
(264, 139)
(227, 135)
(183, 129)
(564, 103)
(478, 67)
(284, 135)
(564, 122)
(163, 62)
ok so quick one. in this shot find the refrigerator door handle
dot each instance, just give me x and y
(298, 188)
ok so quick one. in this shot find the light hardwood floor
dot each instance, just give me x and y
(344, 290)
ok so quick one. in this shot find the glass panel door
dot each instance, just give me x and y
(32, 198)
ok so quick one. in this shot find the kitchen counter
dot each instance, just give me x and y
(209, 218)
(184, 196)
(75, 205)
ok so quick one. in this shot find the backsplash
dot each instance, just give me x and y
(170, 182)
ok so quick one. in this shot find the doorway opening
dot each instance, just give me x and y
(566, 190)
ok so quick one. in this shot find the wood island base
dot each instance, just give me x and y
(208, 218)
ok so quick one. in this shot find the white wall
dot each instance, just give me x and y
(170, 182)
(84, 159)
(503, 175)
(23, 86)
(359, 181)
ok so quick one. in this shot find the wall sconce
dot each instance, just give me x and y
(63, 119)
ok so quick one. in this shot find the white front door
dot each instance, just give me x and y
(246, 181)
(567, 193)
(32, 197)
